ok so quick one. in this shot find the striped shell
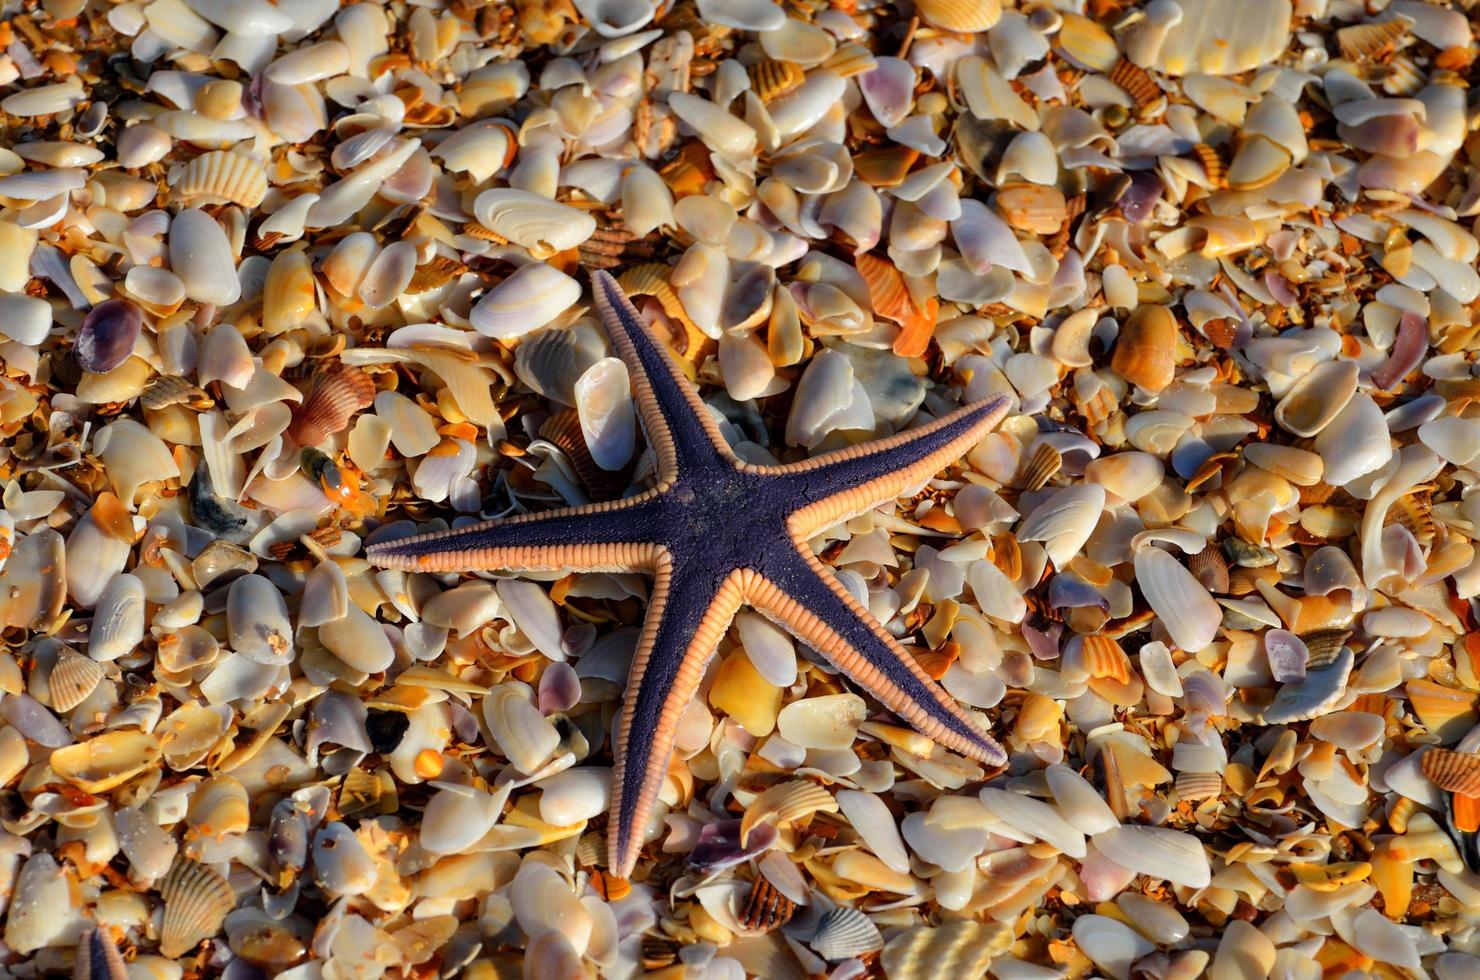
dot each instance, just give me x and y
(196, 902)
(98, 958)
(338, 395)
(72, 679)
(1457, 772)
(771, 79)
(1368, 42)
(1211, 569)
(1212, 164)
(1041, 466)
(221, 176)
(1103, 657)
(961, 16)
(785, 802)
(1199, 785)
(765, 907)
(843, 933)
(1324, 645)
(955, 949)
(564, 430)
(1136, 81)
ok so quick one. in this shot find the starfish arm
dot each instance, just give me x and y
(617, 536)
(809, 601)
(687, 615)
(842, 484)
(677, 424)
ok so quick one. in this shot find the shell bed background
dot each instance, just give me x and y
(281, 280)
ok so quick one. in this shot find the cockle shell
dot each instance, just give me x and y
(1146, 352)
(72, 679)
(220, 176)
(784, 803)
(335, 399)
(196, 902)
(843, 933)
(1457, 772)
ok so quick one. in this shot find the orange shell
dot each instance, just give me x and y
(1146, 351)
(1104, 658)
(328, 409)
(1457, 772)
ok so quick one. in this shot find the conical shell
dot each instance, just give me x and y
(196, 902)
(1457, 772)
(335, 399)
(955, 949)
(1146, 352)
(72, 679)
(843, 933)
(220, 176)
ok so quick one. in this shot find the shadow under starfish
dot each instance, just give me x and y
(717, 533)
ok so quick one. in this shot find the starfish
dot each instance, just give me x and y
(717, 533)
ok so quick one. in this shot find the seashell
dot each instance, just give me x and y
(1322, 687)
(772, 79)
(108, 335)
(98, 958)
(844, 933)
(607, 416)
(765, 907)
(456, 817)
(196, 902)
(1065, 521)
(1034, 818)
(118, 619)
(142, 144)
(336, 398)
(257, 615)
(1145, 354)
(358, 641)
(784, 803)
(1355, 443)
(1033, 208)
(1110, 943)
(1185, 608)
(1103, 657)
(1041, 466)
(219, 176)
(73, 677)
(41, 911)
(1215, 38)
(201, 256)
(1199, 785)
(1086, 44)
(531, 297)
(1370, 41)
(1136, 81)
(1315, 400)
(218, 807)
(1456, 772)
(1157, 852)
(953, 949)
(25, 319)
(1446, 712)
(541, 225)
(827, 722)
(106, 761)
(1287, 655)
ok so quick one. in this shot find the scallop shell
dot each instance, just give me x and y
(1041, 466)
(1104, 657)
(196, 902)
(765, 907)
(220, 176)
(954, 949)
(1368, 42)
(72, 679)
(1210, 568)
(773, 79)
(1146, 351)
(1199, 785)
(843, 933)
(1136, 81)
(337, 396)
(786, 802)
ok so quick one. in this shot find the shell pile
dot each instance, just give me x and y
(281, 279)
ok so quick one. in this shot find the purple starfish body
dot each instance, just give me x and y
(718, 533)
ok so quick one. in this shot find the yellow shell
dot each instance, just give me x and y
(1360, 42)
(786, 802)
(1136, 81)
(1041, 466)
(109, 760)
(771, 78)
(288, 295)
(1038, 719)
(222, 176)
(1444, 711)
(1199, 785)
(196, 902)
(218, 807)
(1037, 208)
(1103, 657)
(955, 949)
(219, 99)
(72, 679)
(960, 16)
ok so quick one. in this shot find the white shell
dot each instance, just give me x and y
(1186, 609)
(608, 418)
(1157, 852)
(531, 297)
(359, 641)
(201, 256)
(539, 224)
(456, 816)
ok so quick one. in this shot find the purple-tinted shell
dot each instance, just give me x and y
(30, 717)
(108, 335)
(560, 689)
(719, 845)
(1408, 351)
(1279, 288)
(1141, 196)
(1068, 591)
(1287, 655)
(1044, 644)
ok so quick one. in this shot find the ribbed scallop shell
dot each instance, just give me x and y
(786, 802)
(1041, 466)
(1104, 658)
(771, 79)
(72, 679)
(1457, 772)
(955, 949)
(196, 902)
(765, 907)
(961, 16)
(1210, 568)
(1212, 164)
(222, 176)
(328, 409)
(845, 932)
(1199, 785)
(1324, 645)
(1136, 81)
(1361, 42)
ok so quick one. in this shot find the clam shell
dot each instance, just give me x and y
(1157, 852)
(539, 224)
(953, 949)
(108, 335)
(1445, 711)
(336, 397)
(528, 299)
(220, 176)
(1146, 352)
(1188, 612)
(784, 803)
(843, 933)
(827, 722)
(608, 417)
(106, 761)
(72, 679)
(1034, 818)
(1312, 697)
(196, 902)
(201, 256)
(456, 816)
